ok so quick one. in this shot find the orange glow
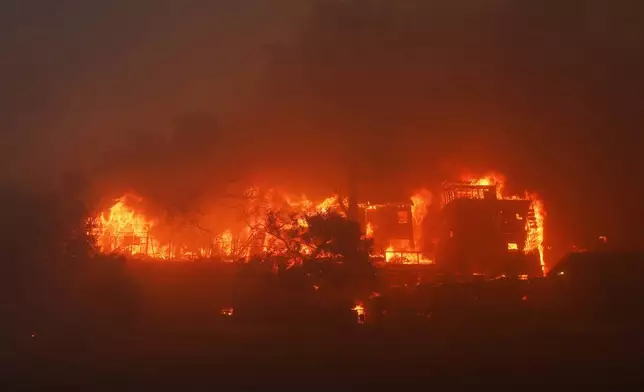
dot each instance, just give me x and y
(405, 257)
(535, 230)
(534, 241)
(421, 201)
(489, 179)
(226, 243)
(360, 312)
(123, 230)
(127, 230)
(369, 230)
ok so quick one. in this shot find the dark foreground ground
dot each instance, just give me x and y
(167, 333)
(232, 356)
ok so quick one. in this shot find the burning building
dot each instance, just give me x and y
(388, 223)
(483, 231)
(472, 228)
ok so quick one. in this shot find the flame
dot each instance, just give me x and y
(302, 222)
(535, 236)
(326, 205)
(420, 203)
(535, 230)
(226, 243)
(121, 229)
(405, 257)
(124, 229)
(360, 312)
(389, 254)
(420, 206)
(359, 309)
(487, 180)
(369, 230)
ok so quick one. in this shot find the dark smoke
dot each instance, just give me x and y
(296, 93)
(547, 93)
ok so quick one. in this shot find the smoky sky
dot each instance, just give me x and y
(550, 93)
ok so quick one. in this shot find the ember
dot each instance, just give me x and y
(360, 313)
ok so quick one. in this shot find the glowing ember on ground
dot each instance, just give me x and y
(360, 313)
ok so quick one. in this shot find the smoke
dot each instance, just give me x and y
(403, 86)
(408, 91)
(305, 94)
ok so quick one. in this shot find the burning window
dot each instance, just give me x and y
(403, 217)
(513, 246)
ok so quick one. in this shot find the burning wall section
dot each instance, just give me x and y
(482, 221)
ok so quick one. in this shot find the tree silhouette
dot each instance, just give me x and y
(310, 237)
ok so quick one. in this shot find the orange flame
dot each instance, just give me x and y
(488, 179)
(420, 203)
(124, 230)
(535, 236)
(369, 230)
(535, 232)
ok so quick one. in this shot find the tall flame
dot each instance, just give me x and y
(420, 203)
(369, 230)
(121, 229)
(535, 236)
(486, 180)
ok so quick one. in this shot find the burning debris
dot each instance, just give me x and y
(360, 313)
